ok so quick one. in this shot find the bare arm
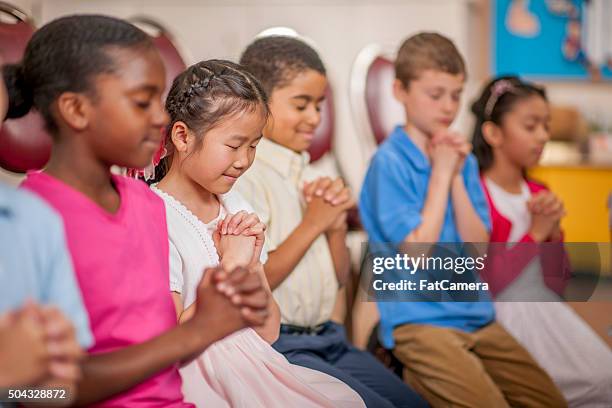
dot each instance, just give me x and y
(470, 226)
(214, 317)
(434, 209)
(105, 375)
(270, 331)
(283, 260)
(336, 240)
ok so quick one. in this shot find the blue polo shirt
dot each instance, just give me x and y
(34, 260)
(392, 198)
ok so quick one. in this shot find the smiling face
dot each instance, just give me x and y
(296, 110)
(125, 125)
(431, 101)
(225, 152)
(524, 132)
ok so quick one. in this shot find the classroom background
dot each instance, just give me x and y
(357, 39)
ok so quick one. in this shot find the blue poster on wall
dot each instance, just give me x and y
(553, 39)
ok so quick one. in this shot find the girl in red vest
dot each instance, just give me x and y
(528, 267)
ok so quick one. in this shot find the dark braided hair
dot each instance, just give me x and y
(497, 98)
(204, 94)
(276, 60)
(64, 56)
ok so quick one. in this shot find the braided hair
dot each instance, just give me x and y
(204, 94)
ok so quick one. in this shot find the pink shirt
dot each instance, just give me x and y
(121, 263)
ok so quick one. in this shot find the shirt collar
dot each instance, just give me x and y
(285, 161)
(406, 146)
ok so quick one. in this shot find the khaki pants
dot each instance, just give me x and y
(486, 368)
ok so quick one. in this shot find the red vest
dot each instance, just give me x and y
(506, 264)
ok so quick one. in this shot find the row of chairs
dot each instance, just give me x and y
(24, 145)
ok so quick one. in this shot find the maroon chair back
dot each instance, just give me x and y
(322, 141)
(163, 40)
(382, 108)
(24, 144)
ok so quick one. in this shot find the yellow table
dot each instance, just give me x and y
(584, 191)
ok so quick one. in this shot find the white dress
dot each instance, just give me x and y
(577, 360)
(241, 370)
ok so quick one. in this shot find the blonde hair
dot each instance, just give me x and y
(425, 51)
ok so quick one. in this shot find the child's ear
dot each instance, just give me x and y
(181, 136)
(399, 90)
(492, 133)
(75, 109)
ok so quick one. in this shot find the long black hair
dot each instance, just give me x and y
(496, 99)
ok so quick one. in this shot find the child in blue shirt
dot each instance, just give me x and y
(43, 323)
(422, 186)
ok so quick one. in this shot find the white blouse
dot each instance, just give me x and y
(529, 285)
(192, 249)
(513, 207)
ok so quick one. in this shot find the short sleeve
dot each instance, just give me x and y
(176, 270)
(476, 193)
(389, 202)
(60, 285)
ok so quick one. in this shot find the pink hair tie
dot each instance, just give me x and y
(499, 88)
(148, 173)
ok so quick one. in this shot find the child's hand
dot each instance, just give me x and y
(247, 224)
(228, 302)
(546, 203)
(23, 348)
(333, 192)
(458, 142)
(546, 212)
(324, 216)
(235, 250)
(339, 224)
(443, 152)
(64, 350)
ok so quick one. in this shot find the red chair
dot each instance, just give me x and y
(324, 133)
(375, 112)
(374, 108)
(24, 144)
(174, 59)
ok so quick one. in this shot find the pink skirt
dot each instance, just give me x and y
(243, 370)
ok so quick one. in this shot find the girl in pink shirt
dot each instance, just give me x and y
(98, 81)
(510, 134)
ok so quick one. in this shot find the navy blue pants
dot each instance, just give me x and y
(329, 351)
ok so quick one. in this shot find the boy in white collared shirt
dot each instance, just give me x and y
(306, 224)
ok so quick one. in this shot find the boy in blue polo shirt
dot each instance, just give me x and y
(422, 186)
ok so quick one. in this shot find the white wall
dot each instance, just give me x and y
(340, 28)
